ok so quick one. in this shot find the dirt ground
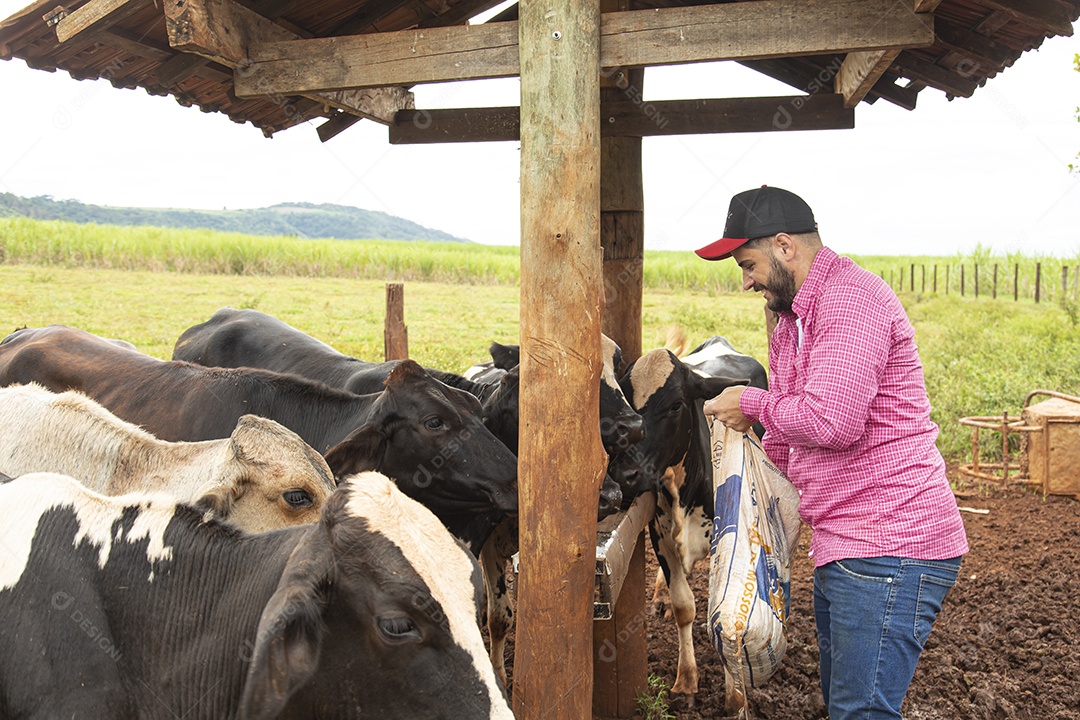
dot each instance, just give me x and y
(1006, 645)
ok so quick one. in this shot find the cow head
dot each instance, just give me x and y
(430, 438)
(669, 397)
(271, 479)
(620, 425)
(377, 608)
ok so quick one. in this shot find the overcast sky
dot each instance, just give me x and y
(991, 169)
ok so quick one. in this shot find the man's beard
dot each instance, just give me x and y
(780, 284)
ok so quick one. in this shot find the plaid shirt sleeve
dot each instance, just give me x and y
(848, 354)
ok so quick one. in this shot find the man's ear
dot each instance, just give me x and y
(784, 245)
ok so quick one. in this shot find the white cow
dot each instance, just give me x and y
(261, 477)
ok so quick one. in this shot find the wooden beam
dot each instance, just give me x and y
(223, 31)
(95, 16)
(733, 31)
(859, 72)
(336, 125)
(1045, 16)
(936, 76)
(626, 118)
(561, 306)
(986, 56)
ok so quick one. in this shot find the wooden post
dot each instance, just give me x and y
(1038, 281)
(620, 656)
(1064, 282)
(561, 306)
(1016, 282)
(912, 277)
(395, 333)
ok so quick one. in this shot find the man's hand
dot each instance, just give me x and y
(725, 408)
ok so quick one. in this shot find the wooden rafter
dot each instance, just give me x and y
(1044, 15)
(734, 31)
(861, 70)
(627, 118)
(223, 31)
(95, 16)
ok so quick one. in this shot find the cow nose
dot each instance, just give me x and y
(610, 498)
(620, 433)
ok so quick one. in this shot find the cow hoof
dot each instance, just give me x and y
(682, 702)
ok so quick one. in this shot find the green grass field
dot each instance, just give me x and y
(981, 356)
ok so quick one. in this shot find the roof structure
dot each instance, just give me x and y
(144, 44)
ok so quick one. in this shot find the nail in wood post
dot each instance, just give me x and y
(395, 334)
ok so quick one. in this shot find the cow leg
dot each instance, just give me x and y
(682, 605)
(499, 548)
(657, 605)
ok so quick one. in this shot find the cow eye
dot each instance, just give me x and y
(398, 628)
(675, 409)
(298, 498)
(434, 423)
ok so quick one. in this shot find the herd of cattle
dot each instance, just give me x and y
(264, 527)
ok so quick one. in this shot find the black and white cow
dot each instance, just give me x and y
(426, 435)
(136, 607)
(717, 358)
(674, 459)
(620, 428)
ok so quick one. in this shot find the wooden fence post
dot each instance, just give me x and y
(1064, 282)
(935, 278)
(1038, 281)
(924, 278)
(912, 277)
(395, 333)
(1016, 282)
(976, 280)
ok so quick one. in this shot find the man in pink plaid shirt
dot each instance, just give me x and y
(847, 419)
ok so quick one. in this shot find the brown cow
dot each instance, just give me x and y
(425, 435)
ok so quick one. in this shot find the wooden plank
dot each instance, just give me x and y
(985, 55)
(136, 45)
(627, 118)
(561, 302)
(95, 16)
(336, 125)
(223, 31)
(733, 31)
(762, 29)
(1045, 16)
(937, 76)
(859, 72)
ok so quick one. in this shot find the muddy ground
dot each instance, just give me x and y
(1006, 645)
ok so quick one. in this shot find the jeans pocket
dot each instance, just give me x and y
(876, 570)
(932, 591)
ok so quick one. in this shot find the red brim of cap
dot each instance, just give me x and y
(720, 249)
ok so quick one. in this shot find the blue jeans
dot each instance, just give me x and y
(873, 618)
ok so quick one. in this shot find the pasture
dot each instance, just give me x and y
(981, 356)
(1000, 648)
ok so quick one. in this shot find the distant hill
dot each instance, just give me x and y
(304, 220)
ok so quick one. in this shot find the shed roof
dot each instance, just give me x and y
(974, 40)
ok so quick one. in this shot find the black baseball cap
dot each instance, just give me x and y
(757, 213)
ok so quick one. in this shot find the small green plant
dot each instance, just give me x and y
(1072, 310)
(653, 703)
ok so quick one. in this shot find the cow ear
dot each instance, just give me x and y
(362, 450)
(505, 357)
(288, 641)
(250, 431)
(709, 387)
